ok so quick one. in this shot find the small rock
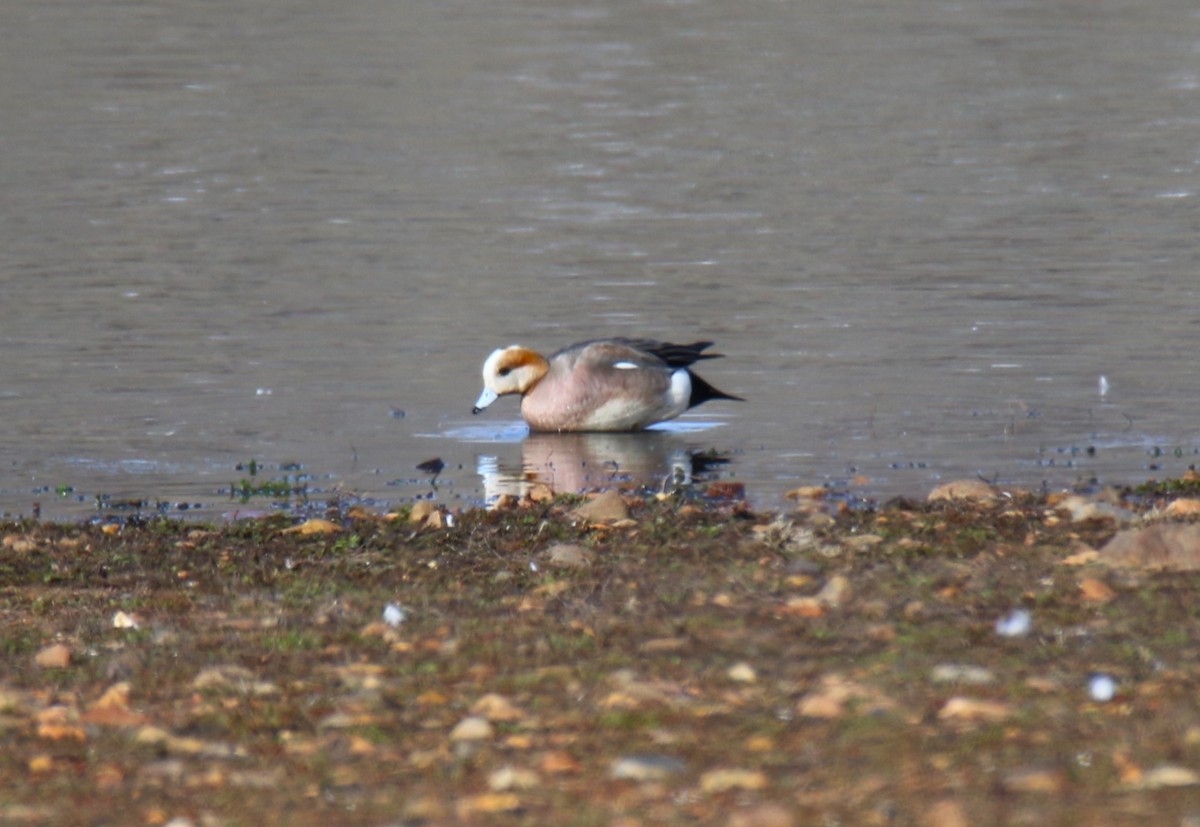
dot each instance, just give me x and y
(58, 723)
(1182, 508)
(394, 615)
(314, 526)
(19, 544)
(723, 780)
(569, 556)
(489, 803)
(1081, 509)
(505, 502)
(1081, 557)
(646, 767)
(56, 656)
(973, 710)
(606, 507)
(112, 709)
(41, 763)
(659, 645)
(1094, 590)
(835, 693)
(497, 708)
(862, 542)
(1162, 546)
(742, 673)
(1017, 623)
(512, 778)
(945, 814)
(421, 510)
(1102, 688)
(836, 591)
(973, 490)
(472, 728)
(803, 607)
(963, 673)
(807, 492)
(762, 815)
(121, 620)
(559, 762)
(539, 492)
(1169, 775)
(233, 678)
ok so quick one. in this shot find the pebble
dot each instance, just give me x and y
(421, 510)
(723, 780)
(1182, 508)
(742, 673)
(1094, 590)
(56, 656)
(472, 728)
(964, 673)
(569, 556)
(862, 542)
(1169, 775)
(496, 707)
(646, 767)
(314, 526)
(123, 620)
(836, 693)
(488, 803)
(836, 591)
(974, 490)
(512, 778)
(1162, 546)
(1017, 623)
(608, 506)
(945, 814)
(1102, 688)
(972, 709)
(21, 545)
(763, 815)
(394, 615)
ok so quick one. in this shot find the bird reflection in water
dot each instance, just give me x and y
(579, 462)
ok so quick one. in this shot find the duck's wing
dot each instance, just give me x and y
(676, 356)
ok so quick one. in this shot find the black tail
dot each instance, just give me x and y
(702, 392)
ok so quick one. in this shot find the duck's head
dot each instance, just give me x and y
(512, 369)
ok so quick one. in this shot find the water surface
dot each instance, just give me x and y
(921, 232)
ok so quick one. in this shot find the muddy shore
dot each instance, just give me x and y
(990, 657)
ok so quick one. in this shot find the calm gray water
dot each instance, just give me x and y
(920, 232)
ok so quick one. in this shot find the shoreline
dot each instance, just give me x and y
(990, 657)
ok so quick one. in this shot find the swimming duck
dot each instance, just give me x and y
(600, 385)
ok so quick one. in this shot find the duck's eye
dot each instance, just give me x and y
(504, 371)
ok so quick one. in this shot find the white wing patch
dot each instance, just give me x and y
(681, 391)
(625, 366)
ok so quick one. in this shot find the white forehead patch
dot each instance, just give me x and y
(489, 366)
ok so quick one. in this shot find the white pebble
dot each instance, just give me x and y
(394, 615)
(1102, 688)
(1016, 623)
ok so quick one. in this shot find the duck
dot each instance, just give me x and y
(615, 384)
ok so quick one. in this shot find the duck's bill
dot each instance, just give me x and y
(486, 398)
